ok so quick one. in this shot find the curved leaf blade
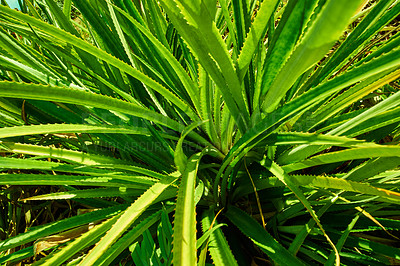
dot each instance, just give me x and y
(184, 238)
(257, 29)
(218, 247)
(285, 179)
(345, 155)
(127, 219)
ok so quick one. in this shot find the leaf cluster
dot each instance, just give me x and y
(202, 132)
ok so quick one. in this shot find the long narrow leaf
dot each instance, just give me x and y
(127, 218)
(184, 238)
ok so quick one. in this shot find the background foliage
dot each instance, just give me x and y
(230, 132)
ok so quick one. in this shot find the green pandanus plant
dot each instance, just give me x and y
(197, 132)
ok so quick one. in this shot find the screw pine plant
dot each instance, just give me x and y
(200, 132)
